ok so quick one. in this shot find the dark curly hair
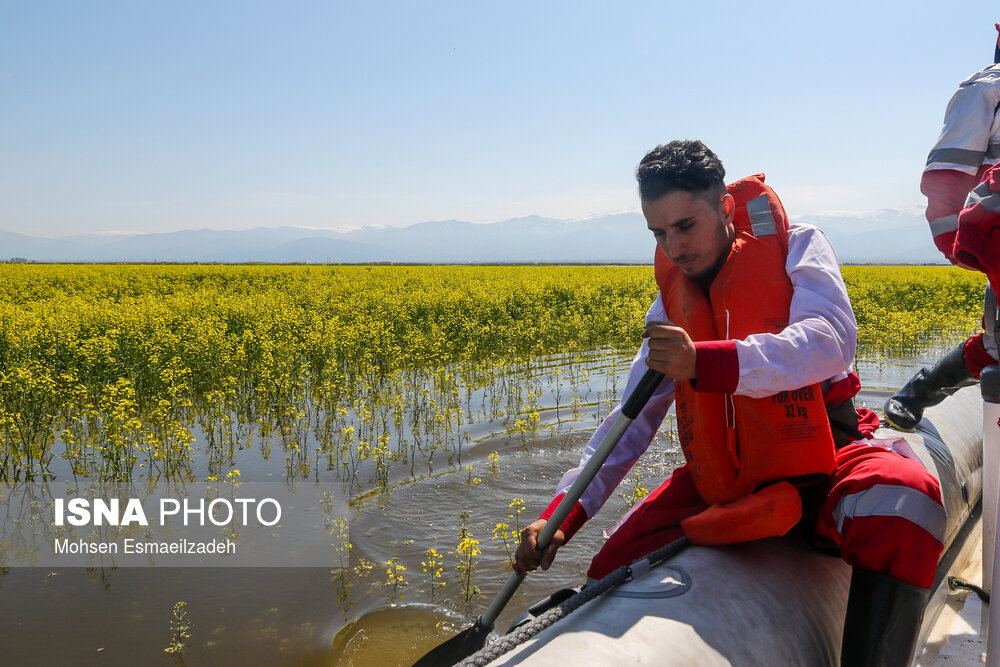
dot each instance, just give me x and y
(686, 165)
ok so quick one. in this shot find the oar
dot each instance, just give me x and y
(472, 639)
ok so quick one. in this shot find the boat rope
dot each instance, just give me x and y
(494, 650)
(954, 583)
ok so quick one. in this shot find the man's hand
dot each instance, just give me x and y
(528, 557)
(671, 351)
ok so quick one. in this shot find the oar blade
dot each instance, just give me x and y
(458, 648)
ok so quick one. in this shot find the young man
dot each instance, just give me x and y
(968, 146)
(705, 331)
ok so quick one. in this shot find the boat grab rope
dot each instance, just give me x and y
(954, 583)
(492, 651)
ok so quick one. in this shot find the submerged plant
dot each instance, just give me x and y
(636, 491)
(508, 539)
(394, 580)
(468, 549)
(180, 630)
(469, 478)
(434, 569)
(517, 506)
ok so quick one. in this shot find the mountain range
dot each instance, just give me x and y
(888, 236)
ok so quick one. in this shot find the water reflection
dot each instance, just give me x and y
(536, 416)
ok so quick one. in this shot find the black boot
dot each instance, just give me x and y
(928, 387)
(882, 622)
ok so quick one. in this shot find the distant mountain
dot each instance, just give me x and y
(889, 236)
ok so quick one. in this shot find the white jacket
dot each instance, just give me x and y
(970, 137)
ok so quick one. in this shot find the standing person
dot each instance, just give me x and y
(754, 325)
(968, 146)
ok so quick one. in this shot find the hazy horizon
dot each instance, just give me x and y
(150, 119)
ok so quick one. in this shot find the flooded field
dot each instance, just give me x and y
(364, 611)
(439, 406)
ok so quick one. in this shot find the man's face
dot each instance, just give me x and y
(694, 230)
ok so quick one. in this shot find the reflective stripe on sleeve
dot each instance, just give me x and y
(993, 152)
(957, 156)
(761, 219)
(893, 500)
(948, 223)
(981, 194)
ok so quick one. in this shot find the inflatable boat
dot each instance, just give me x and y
(770, 602)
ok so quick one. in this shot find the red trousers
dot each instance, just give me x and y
(882, 509)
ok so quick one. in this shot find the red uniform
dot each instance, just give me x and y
(876, 505)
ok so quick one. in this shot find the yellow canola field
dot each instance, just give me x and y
(902, 310)
(118, 362)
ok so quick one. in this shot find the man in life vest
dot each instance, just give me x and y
(968, 146)
(755, 333)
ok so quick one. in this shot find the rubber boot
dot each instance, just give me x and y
(928, 387)
(882, 622)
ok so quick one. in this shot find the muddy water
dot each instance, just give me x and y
(311, 616)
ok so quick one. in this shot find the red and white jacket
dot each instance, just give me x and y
(977, 244)
(817, 346)
(969, 144)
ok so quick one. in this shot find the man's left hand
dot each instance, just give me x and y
(671, 351)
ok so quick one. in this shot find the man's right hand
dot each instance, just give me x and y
(528, 557)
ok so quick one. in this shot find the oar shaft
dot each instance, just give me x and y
(500, 601)
(581, 483)
(630, 410)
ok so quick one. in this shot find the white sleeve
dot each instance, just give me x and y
(636, 438)
(968, 138)
(821, 336)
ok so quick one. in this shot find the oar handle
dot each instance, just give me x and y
(630, 410)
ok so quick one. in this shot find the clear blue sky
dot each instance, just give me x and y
(230, 115)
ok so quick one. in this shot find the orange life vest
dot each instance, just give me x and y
(734, 445)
